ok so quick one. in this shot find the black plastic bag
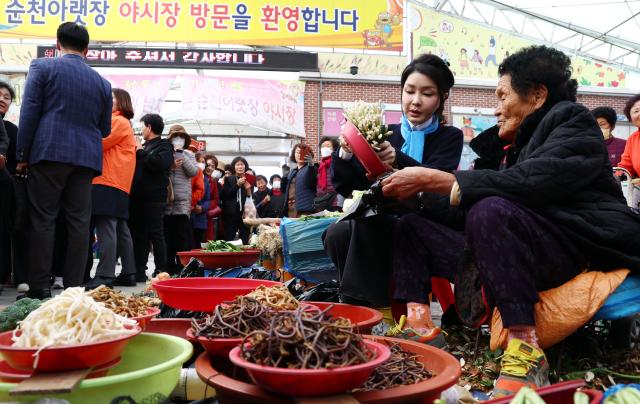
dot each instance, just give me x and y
(194, 269)
(322, 292)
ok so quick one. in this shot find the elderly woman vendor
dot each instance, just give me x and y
(540, 206)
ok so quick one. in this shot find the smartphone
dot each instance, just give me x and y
(177, 155)
(251, 179)
(304, 150)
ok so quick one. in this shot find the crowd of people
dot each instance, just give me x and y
(540, 205)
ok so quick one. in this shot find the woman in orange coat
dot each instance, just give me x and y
(631, 156)
(110, 197)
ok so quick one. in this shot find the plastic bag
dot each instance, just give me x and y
(250, 211)
(322, 292)
(254, 272)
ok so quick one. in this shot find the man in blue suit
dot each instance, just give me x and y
(65, 113)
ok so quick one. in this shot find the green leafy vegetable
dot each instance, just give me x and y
(221, 246)
(10, 316)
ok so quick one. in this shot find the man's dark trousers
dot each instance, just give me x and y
(53, 186)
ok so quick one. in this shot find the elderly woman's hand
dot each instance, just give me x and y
(387, 153)
(406, 183)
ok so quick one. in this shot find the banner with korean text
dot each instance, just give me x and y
(376, 24)
(276, 105)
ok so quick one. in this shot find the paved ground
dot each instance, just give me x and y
(9, 294)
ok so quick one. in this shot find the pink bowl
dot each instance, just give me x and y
(215, 347)
(144, 320)
(68, 357)
(214, 260)
(312, 382)
(363, 150)
(204, 294)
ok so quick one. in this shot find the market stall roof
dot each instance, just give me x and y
(605, 30)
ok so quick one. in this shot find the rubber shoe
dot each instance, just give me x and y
(433, 338)
(521, 365)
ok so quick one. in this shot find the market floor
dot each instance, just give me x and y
(9, 294)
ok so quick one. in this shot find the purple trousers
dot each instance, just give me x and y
(517, 252)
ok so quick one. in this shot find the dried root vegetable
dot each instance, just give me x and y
(275, 297)
(132, 306)
(401, 369)
(306, 338)
(234, 319)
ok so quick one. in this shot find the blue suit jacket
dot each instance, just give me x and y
(65, 113)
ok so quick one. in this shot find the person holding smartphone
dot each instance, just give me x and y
(233, 195)
(301, 182)
(177, 227)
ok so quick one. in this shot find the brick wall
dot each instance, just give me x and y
(390, 93)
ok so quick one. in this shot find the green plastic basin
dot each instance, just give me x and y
(151, 363)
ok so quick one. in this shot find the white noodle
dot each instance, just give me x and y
(72, 317)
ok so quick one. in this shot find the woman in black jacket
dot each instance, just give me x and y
(362, 250)
(233, 194)
(540, 207)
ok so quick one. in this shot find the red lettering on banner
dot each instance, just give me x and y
(270, 16)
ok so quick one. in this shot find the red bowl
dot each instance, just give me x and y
(311, 382)
(363, 318)
(363, 150)
(11, 375)
(215, 347)
(68, 357)
(558, 393)
(214, 260)
(204, 294)
(144, 320)
(232, 388)
(176, 327)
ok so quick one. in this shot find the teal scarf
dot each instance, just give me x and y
(414, 139)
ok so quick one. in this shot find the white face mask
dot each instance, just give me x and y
(177, 142)
(325, 152)
(201, 166)
(276, 185)
(217, 174)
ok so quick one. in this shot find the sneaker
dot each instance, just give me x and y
(58, 283)
(22, 288)
(521, 365)
(434, 337)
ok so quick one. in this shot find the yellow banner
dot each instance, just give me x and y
(367, 64)
(375, 24)
(476, 51)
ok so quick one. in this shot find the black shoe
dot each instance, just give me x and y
(36, 294)
(97, 281)
(125, 280)
(141, 278)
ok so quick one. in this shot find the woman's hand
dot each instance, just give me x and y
(407, 182)
(241, 181)
(344, 145)
(387, 153)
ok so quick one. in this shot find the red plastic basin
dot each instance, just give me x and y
(204, 294)
(176, 327)
(215, 347)
(214, 260)
(311, 382)
(558, 393)
(363, 150)
(68, 357)
(11, 375)
(364, 318)
(144, 320)
(232, 388)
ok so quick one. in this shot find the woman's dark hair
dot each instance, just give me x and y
(212, 157)
(292, 157)
(124, 102)
(608, 113)
(261, 177)
(73, 36)
(332, 139)
(154, 121)
(273, 177)
(7, 86)
(437, 70)
(540, 65)
(235, 160)
(630, 103)
(228, 167)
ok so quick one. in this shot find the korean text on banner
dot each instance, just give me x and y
(147, 92)
(358, 24)
(271, 104)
